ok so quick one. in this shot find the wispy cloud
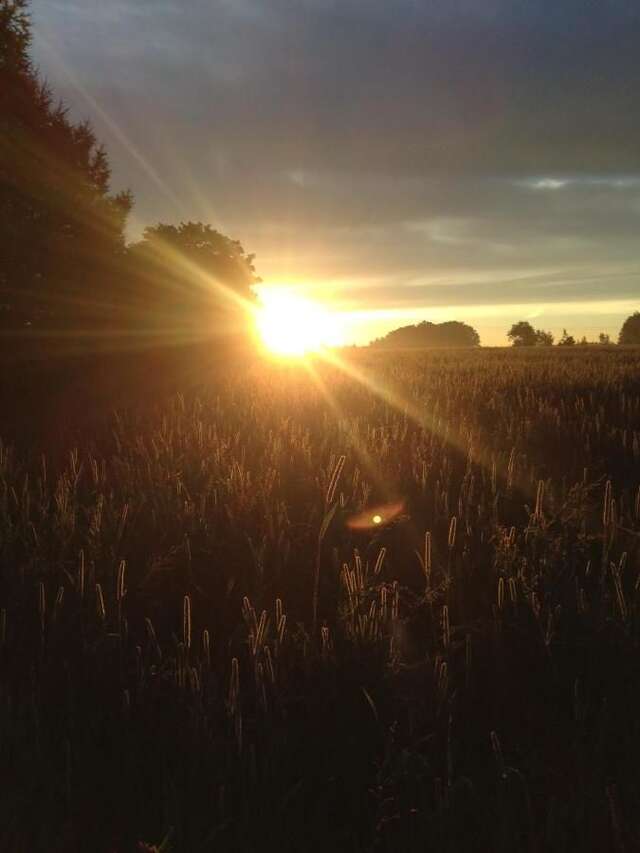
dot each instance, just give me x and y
(547, 184)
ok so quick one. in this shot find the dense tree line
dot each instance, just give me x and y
(64, 262)
(62, 229)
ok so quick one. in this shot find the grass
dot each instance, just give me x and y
(198, 645)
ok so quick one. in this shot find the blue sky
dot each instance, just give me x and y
(399, 161)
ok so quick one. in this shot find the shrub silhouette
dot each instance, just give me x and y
(425, 334)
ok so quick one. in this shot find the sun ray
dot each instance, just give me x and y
(399, 402)
(384, 489)
(110, 123)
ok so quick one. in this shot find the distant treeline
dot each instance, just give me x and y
(425, 334)
(522, 334)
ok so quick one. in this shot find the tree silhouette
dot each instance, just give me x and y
(630, 331)
(522, 334)
(61, 230)
(425, 334)
(543, 339)
(192, 277)
(566, 340)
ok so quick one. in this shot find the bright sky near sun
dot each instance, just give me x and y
(392, 162)
(292, 326)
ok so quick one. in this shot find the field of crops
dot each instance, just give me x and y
(392, 605)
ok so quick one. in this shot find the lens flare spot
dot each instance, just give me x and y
(376, 516)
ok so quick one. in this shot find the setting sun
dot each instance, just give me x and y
(291, 326)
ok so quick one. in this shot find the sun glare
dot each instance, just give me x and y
(290, 326)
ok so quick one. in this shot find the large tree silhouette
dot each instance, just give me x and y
(630, 331)
(61, 230)
(522, 334)
(193, 279)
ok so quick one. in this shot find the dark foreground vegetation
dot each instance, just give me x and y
(197, 643)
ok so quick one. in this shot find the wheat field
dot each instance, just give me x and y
(385, 603)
